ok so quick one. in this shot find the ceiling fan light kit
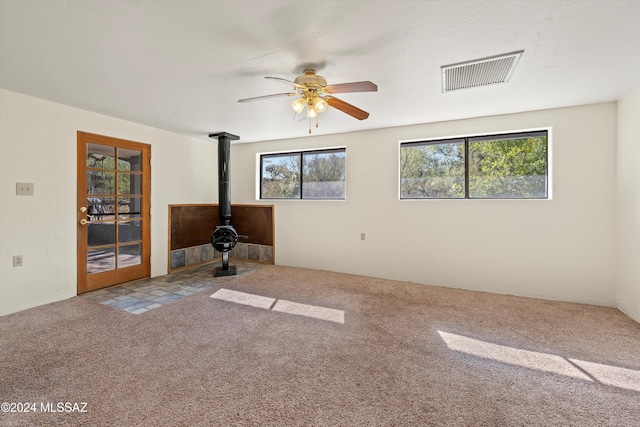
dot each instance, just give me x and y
(320, 104)
(316, 96)
(298, 105)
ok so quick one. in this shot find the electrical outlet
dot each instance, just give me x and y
(17, 260)
(362, 236)
(24, 188)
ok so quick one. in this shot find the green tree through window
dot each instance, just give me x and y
(323, 175)
(303, 175)
(432, 170)
(280, 176)
(511, 166)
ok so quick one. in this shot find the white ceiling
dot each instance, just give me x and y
(182, 65)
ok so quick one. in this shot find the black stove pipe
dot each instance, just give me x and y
(224, 189)
(225, 237)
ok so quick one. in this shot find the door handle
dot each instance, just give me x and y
(83, 221)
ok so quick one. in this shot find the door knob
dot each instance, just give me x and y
(83, 221)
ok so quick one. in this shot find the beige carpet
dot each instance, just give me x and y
(293, 347)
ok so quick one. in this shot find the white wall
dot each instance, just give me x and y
(38, 145)
(558, 249)
(555, 249)
(628, 197)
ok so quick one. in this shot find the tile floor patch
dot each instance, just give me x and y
(142, 295)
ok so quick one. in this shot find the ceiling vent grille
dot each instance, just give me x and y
(480, 72)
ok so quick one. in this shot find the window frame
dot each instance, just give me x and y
(466, 140)
(301, 154)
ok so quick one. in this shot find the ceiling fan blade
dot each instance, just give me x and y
(347, 108)
(285, 81)
(257, 98)
(352, 87)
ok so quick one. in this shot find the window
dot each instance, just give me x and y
(508, 166)
(316, 174)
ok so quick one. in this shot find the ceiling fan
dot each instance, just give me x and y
(316, 96)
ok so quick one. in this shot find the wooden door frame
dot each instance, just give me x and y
(84, 282)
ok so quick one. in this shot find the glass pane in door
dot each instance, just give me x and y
(129, 207)
(129, 183)
(99, 260)
(101, 233)
(100, 208)
(129, 231)
(101, 156)
(100, 182)
(129, 160)
(129, 255)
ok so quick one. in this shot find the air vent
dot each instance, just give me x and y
(480, 72)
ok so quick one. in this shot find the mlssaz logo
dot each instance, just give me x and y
(68, 407)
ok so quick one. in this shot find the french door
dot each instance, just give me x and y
(113, 211)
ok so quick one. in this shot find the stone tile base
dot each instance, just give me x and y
(253, 252)
(194, 255)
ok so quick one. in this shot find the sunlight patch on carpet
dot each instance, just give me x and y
(244, 298)
(513, 356)
(614, 376)
(330, 314)
(281, 306)
(611, 375)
